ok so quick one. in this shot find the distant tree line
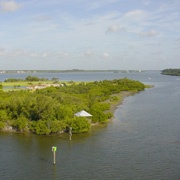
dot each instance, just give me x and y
(172, 72)
(51, 110)
(31, 78)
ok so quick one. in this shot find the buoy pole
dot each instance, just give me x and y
(70, 133)
(54, 158)
(54, 155)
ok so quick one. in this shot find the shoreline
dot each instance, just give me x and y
(113, 106)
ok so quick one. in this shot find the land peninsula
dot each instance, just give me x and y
(51, 110)
(172, 72)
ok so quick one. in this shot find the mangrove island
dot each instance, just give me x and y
(51, 110)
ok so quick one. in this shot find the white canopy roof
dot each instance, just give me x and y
(83, 114)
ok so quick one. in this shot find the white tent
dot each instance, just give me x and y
(83, 114)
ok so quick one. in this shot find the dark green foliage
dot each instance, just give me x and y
(100, 106)
(3, 116)
(78, 124)
(172, 72)
(51, 110)
(2, 124)
(40, 127)
(21, 123)
(14, 80)
(45, 107)
(98, 116)
(55, 79)
(58, 126)
(34, 78)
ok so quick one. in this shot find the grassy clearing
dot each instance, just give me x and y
(27, 83)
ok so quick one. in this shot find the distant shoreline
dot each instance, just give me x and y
(65, 71)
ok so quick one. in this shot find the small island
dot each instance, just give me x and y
(172, 72)
(51, 110)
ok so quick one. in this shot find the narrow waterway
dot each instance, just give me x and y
(141, 142)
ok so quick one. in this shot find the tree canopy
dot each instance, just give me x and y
(51, 110)
(172, 72)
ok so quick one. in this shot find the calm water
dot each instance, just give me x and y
(142, 142)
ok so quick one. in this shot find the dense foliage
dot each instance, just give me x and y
(51, 110)
(14, 80)
(34, 78)
(29, 78)
(172, 72)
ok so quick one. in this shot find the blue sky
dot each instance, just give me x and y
(95, 34)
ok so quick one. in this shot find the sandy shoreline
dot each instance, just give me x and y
(114, 105)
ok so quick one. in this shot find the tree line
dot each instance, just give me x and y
(51, 110)
(31, 78)
(172, 72)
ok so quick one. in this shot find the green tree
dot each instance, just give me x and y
(78, 124)
(45, 107)
(58, 126)
(55, 79)
(21, 123)
(3, 116)
(2, 124)
(99, 116)
(32, 78)
(40, 127)
(1, 86)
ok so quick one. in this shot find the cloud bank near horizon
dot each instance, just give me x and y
(95, 34)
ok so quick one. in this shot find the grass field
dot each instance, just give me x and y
(15, 85)
(25, 83)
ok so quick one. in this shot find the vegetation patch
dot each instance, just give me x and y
(51, 110)
(172, 72)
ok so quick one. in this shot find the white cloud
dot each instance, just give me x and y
(105, 55)
(51, 54)
(2, 51)
(156, 53)
(134, 13)
(100, 3)
(146, 2)
(63, 54)
(45, 18)
(33, 54)
(115, 28)
(21, 52)
(45, 54)
(89, 53)
(18, 52)
(14, 53)
(164, 59)
(11, 6)
(149, 34)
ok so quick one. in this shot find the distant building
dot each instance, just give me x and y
(43, 86)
